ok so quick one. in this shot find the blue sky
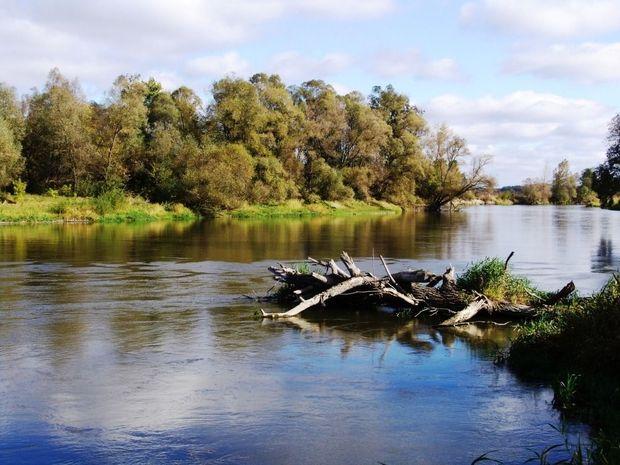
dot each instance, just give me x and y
(528, 82)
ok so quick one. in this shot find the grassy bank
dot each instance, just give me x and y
(108, 208)
(294, 208)
(576, 349)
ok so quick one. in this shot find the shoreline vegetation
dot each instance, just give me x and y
(302, 150)
(122, 208)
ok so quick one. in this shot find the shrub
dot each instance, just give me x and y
(109, 201)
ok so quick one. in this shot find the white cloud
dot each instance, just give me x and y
(527, 130)
(588, 62)
(554, 18)
(412, 63)
(97, 41)
(294, 66)
(218, 65)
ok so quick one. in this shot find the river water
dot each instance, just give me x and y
(131, 344)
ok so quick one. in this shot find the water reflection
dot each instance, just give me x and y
(129, 343)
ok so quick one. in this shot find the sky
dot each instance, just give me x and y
(528, 82)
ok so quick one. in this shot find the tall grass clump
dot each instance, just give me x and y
(491, 278)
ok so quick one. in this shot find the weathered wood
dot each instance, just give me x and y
(467, 313)
(387, 270)
(407, 287)
(413, 276)
(561, 294)
(323, 297)
(350, 264)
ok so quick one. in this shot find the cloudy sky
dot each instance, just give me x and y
(529, 82)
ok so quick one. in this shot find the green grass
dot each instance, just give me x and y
(114, 207)
(489, 277)
(576, 348)
(292, 208)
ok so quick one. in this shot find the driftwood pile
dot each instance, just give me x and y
(420, 290)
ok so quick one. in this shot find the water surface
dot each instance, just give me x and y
(131, 344)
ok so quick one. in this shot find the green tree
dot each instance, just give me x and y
(57, 143)
(606, 181)
(585, 194)
(402, 163)
(118, 128)
(564, 185)
(11, 133)
(217, 177)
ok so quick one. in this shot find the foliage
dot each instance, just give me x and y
(257, 141)
(577, 348)
(490, 278)
(217, 177)
(535, 192)
(564, 185)
(606, 181)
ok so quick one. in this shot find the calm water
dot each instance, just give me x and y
(130, 344)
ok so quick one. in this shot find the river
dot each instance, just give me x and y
(132, 344)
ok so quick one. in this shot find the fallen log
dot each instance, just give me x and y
(415, 289)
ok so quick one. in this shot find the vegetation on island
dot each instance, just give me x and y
(257, 142)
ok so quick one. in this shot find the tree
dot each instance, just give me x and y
(57, 143)
(564, 185)
(445, 181)
(585, 194)
(11, 161)
(118, 129)
(402, 162)
(11, 133)
(606, 181)
(217, 177)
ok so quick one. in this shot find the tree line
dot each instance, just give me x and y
(599, 186)
(256, 141)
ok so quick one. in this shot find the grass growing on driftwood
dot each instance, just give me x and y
(492, 278)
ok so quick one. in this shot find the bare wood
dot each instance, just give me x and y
(322, 297)
(387, 270)
(335, 269)
(467, 313)
(413, 276)
(561, 294)
(399, 295)
(507, 260)
(350, 264)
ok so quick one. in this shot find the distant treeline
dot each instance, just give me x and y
(594, 187)
(257, 141)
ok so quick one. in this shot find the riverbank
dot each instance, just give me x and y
(293, 208)
(108, 208)
(576, 349)
(124, 208)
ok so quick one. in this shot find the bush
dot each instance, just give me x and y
(109, 201)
